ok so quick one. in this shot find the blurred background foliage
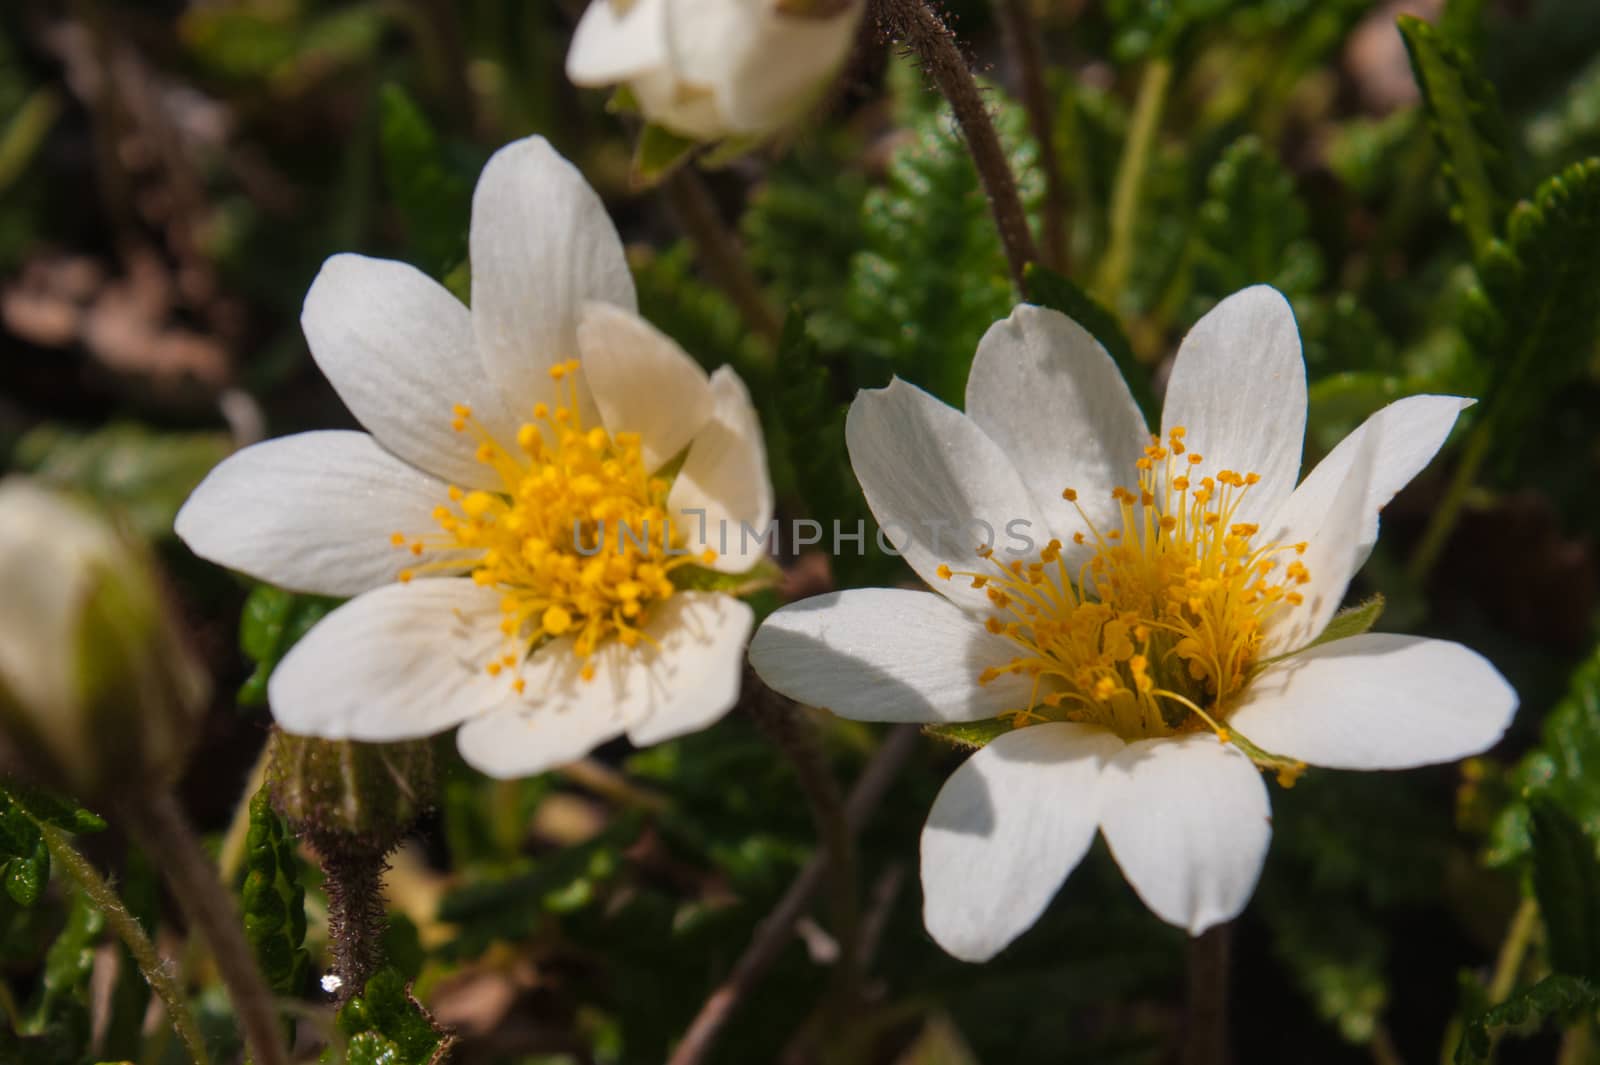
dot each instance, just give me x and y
(172, 174)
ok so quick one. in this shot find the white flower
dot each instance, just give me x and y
(1178, 573)
(708, 69)
(98, 692)
(520, 468)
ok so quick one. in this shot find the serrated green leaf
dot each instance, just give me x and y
(434, 199)
(1464, 114)
(1558, 996)
(1252, 228)
(969, 734)
(26, 876)
(273, 899)
(1534, 318)
(1566, 881)
(1050, 289)
(52, 809)
(659, 152)
(388, 1022)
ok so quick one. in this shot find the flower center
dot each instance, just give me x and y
(1160, 629)
(578, 538)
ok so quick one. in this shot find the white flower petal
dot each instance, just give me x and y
(1410, 431)
(616, 41)
(1006, 829)
(1047, 393)
(702, 638)
(931, 476)
(724, 480)
(1378, 701)
(398, 349)
(312, 513)
(401, 662)
(642, 381)
(1187, 820)
(1238, 386)
(542, 244)
(778, 66)
(887, 654)
(1334, 550)
(654, 694)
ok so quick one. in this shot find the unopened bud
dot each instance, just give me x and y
(98, 692)
(344, 795)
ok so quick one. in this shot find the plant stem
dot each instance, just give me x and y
(1022, 41)
(1382, 1046)
(1508, 964)
(1206, 1028)
(160, 827)
(783, 723)
(1443, 521)
(914, 22)
(1128, 189)
(719, 250)
(353, 879)
(132, 933)
(774, 933)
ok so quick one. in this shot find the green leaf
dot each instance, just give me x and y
(272, 622)
(1464, 113)
(433, 198)
(274, 900)
(1566, 881)
(386, 1025)
(659, 152)
(52, 809)
(1534, 318)
(142, 474)
(1563, 770)
(26, 876)
(1566, 999)
(1351, 621)
(969, 734)
(1252, 228)
(1050, 289)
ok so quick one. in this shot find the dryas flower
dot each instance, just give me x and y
(710, 69)
(98, 692)
(1145, 619)
(525, 526)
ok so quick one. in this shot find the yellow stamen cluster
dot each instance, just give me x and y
(1161, 626)
(577, 538)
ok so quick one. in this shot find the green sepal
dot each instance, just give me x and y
(659, 152)
(623, 101)
(969, 735)
(1351, 621)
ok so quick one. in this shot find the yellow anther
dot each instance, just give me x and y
(397, 539)
(1070, 495)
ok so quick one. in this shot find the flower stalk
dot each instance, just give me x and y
(158, 824)
(157, 974)
(719, 250)
(1128, 190)
(1206, 1026)
(921, 28)
(1022, 42)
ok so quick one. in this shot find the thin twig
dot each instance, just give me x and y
(156, 972)
(719, 250)
(1128, 191)
(920, 27)
(164, 832)
(1022, 41)
(1205, 1039)
(774, 933)
(1448, 512)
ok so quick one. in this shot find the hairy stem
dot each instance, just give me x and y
(719, 250)
(128, 929)
(160, 827)
(1443, 520)
(1022, 42)
(1206, 1026)
(353, 879)
(1128, 190)
(774, 933)
(921, 28)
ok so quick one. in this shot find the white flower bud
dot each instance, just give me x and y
(98, 694)
(711, 69)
